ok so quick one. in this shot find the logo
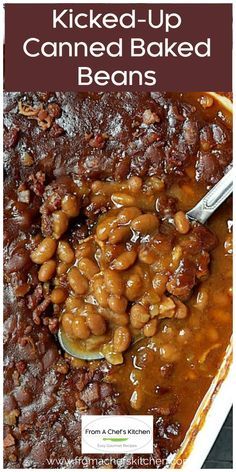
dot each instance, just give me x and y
(117, 434)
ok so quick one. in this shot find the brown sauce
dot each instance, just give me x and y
(197, 344)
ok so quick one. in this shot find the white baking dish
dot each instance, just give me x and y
(208, 419)
(217, 402)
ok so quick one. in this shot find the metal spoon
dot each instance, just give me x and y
(213, 199)
(200, 213)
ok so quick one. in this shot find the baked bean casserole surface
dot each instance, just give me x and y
(98, 245)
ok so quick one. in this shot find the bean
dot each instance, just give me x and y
(62, 268)
(70, 205)
(67, 323)
(136, 399)
(135, 184)
(99, 201)
(113, 282)
(120, 319)
(156, 184)
(181, 310)
(96, 324)
(44, 251)
(154, 310)
(139, 316)
(162, 263)
(47, 270)
(112, 357)
(121, 339)
(150, 117)
(169, 330)
(134, 287)
(73, 303)
(125, 260)
(167, 308)
(146, 202)
(117, 304)
(176, 255)
(106, 188)
(88, 267)
(95, 343)
(228, 244)
(151, 297)
(145, 224)
(119, 234)
(159, 283)
(202, 299)
(126, 215)
(169, 352)
(58, 295)
(104, 228)
(77, 282)
(60, 223)
(65, 252)
(150, 328)
(184, 336)
(97, 186)
(182, 223)
(123, 199)
(195, 320)
(147, 255)
(206, 101)
(100, 292)
(85, 249)
(111, 251)
(80, 328)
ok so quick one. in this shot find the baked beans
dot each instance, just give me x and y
(47, 270)
(70, 205)
(65, 252)
(77, 281)
(60, 223)
(121, 339)
(182, 223)
(44, 251)
(114, 283)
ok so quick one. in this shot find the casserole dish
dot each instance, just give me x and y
(97, 242)
(217, 402)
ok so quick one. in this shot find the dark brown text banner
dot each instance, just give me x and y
(118, 47)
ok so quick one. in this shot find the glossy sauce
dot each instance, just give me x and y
(197, 344)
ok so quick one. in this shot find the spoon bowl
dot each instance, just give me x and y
(66, 345)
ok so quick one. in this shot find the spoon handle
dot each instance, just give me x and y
(213, 199)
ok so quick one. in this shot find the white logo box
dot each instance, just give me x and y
(117, 434)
